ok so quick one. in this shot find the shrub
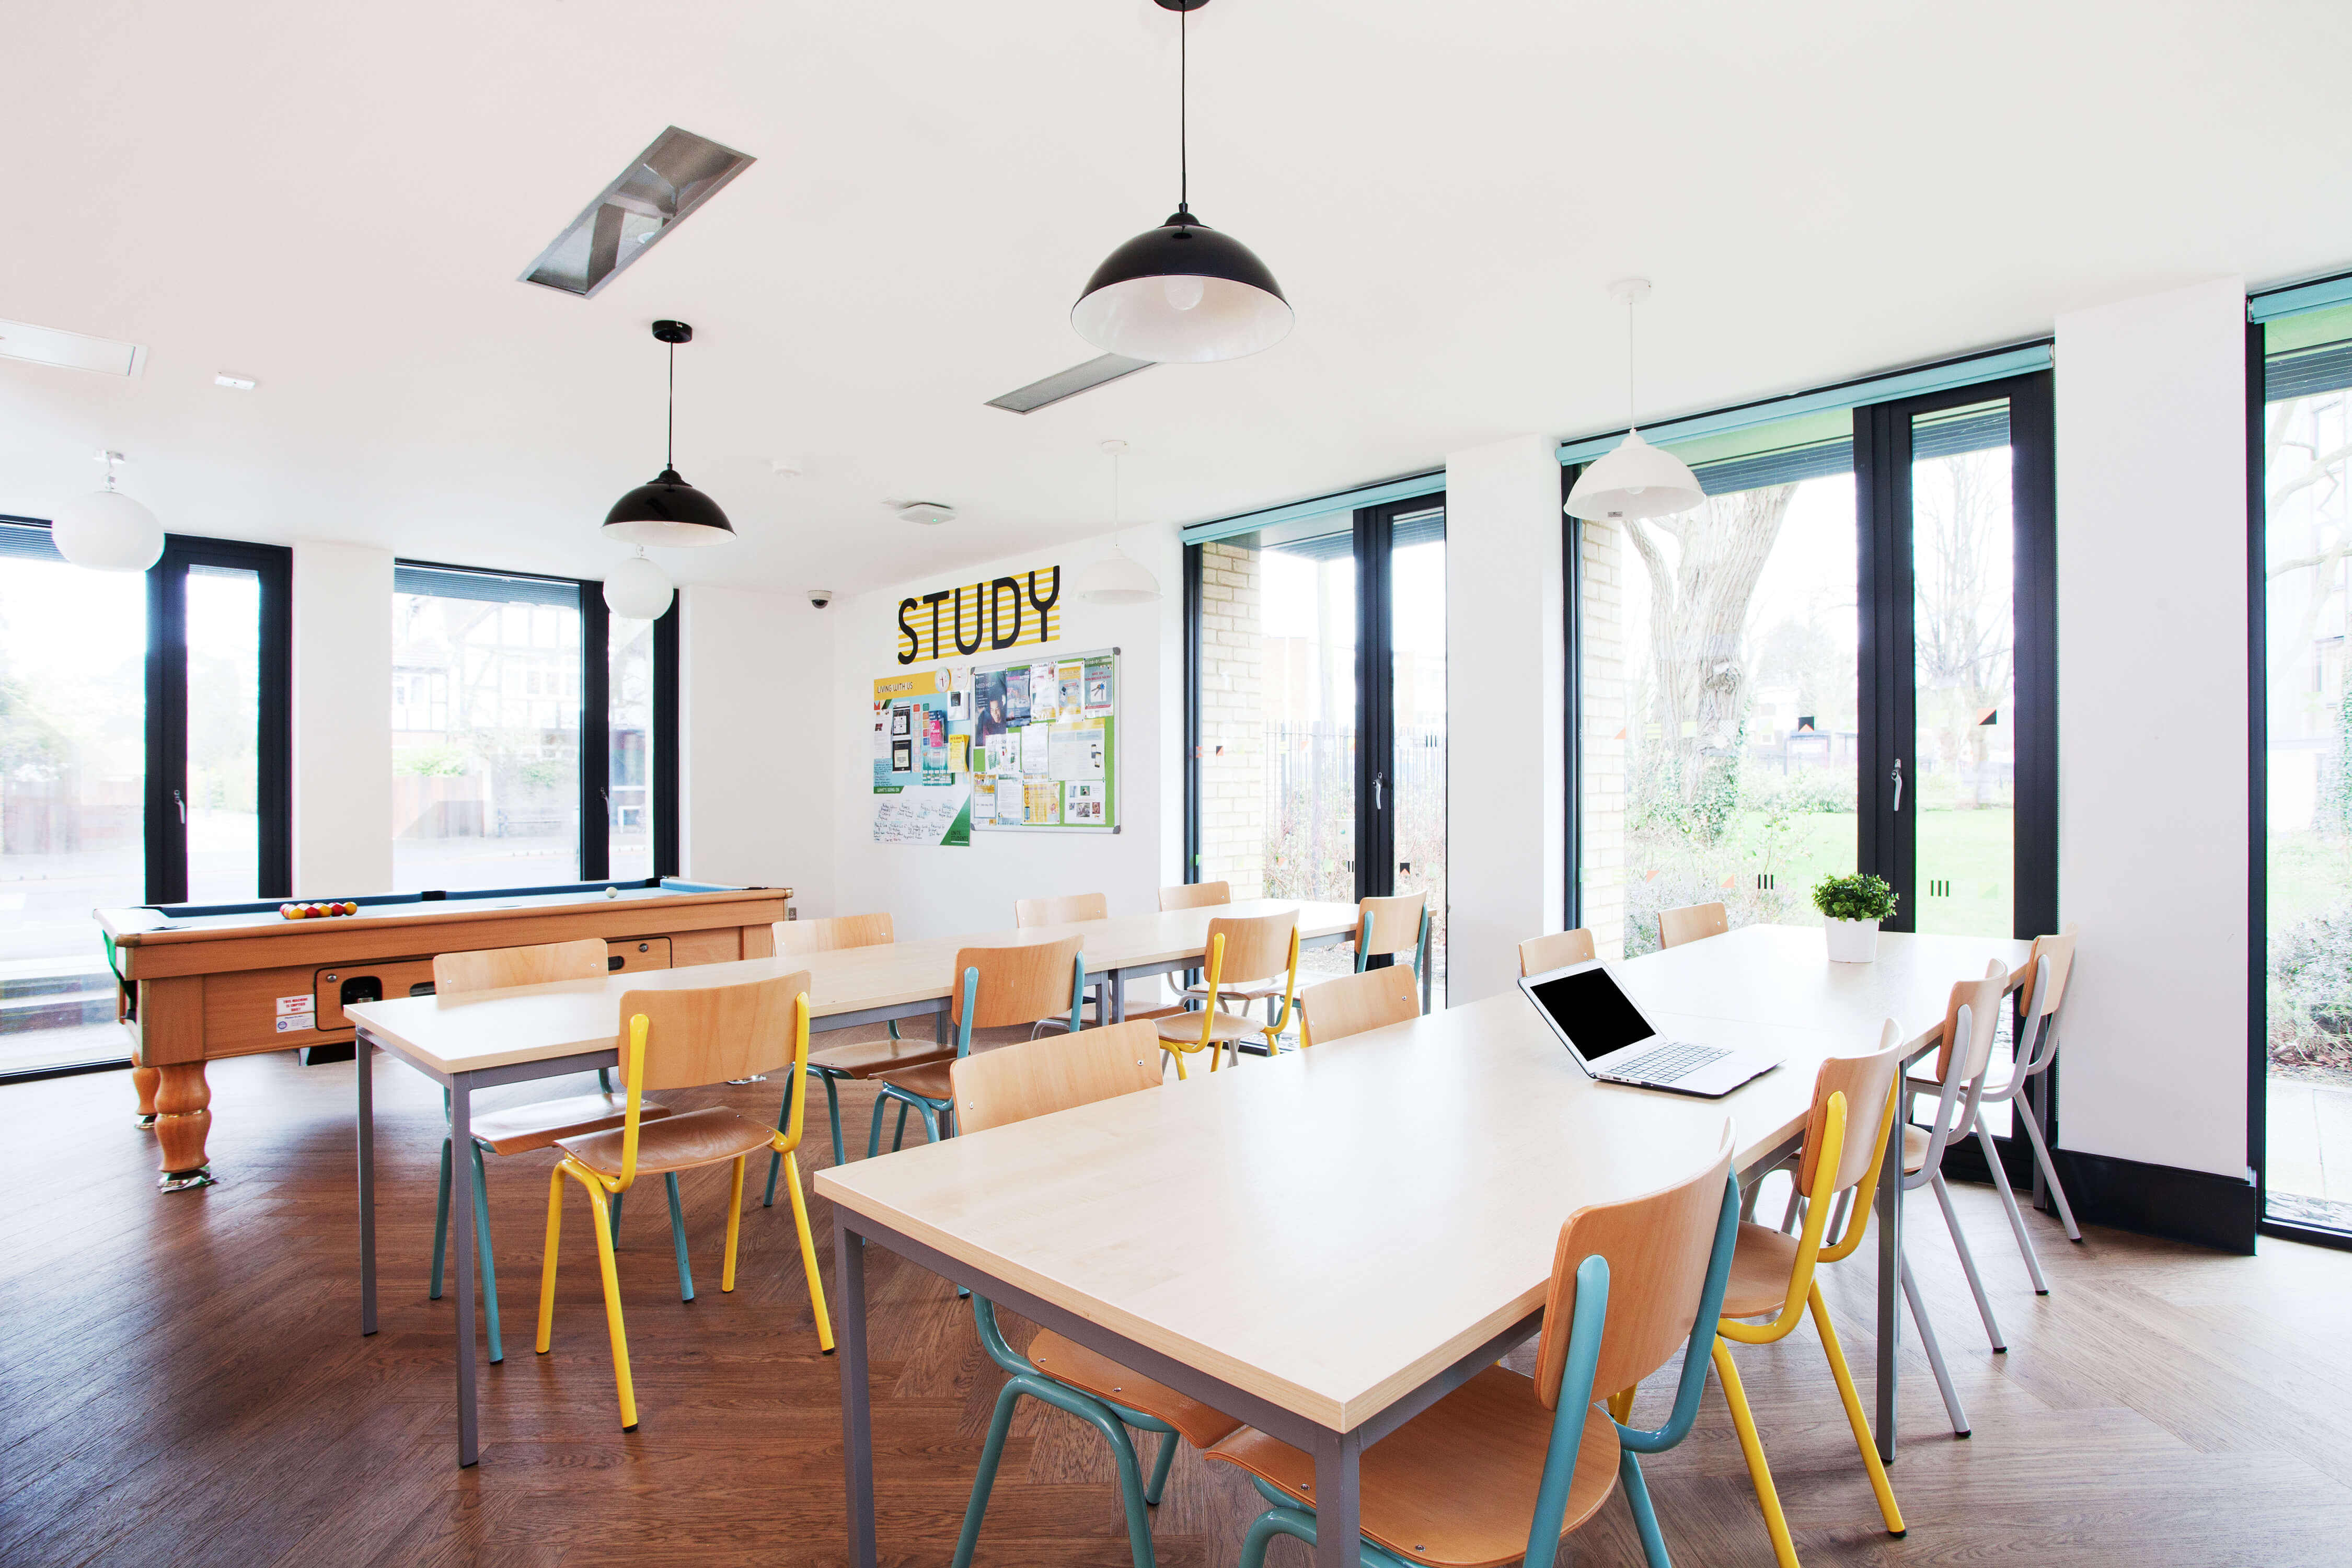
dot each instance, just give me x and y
(1857, 898)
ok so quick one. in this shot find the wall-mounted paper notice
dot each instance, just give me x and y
(1043, 799)
(1035, 754)
(1044, 691)
(1083, 802)
(1009, 798)
(1077, 751)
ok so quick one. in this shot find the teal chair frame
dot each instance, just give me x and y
(482, 1227)
(1420, 942)
(1111, 1420)
(1290, 1518)
(933, 1110)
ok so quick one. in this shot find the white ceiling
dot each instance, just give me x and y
(338, 199)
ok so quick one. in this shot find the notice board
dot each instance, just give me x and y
(1044, 751)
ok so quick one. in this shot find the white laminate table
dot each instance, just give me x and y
(1362, 1227)
(492, 1037)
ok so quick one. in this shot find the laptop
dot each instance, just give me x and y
(1608, 1035)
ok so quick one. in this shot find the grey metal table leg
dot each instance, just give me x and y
(1119, 996)
(461, 1216)
(940, 1024)
(1338, 1524)
(856, 1407)
(1890, 1292)
(365, 1061)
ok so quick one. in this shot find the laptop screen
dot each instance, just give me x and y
(1591, 1012)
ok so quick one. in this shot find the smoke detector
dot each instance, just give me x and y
(926, 511)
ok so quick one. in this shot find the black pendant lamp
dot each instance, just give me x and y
(1182, 291)
(668, 510)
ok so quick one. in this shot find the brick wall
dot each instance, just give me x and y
(1232, 729)
(1606, 710)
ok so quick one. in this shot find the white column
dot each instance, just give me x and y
(342, 719)
(2151, 725)
(1507, 798)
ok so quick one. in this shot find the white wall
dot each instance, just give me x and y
(758, 729)
(2152, 679)
(343, 708)
(1505, 672)
(935, 892)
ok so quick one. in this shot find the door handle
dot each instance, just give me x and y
(178, 799)
(1898, 784)
(1379, 792)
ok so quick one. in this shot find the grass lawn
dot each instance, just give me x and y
(1969, 848)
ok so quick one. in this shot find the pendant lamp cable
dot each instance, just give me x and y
(1184, 111)
(669, 437)
(1631, 406)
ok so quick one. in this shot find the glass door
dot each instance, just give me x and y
(1412, 794)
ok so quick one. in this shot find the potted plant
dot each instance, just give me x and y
(1850, 909)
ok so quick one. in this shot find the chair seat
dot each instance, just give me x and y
(1915, 1150)
(1105, 1379)
(519, 1129)
(1184, 1028)
(1257, 991)
(1994, 1093)
(1760, 1267)
(928, 1079)
(1456, 1484)
(676, 1143)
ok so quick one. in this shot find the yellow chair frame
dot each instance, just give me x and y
(601, 1190)
(1804, 1295)
(1208, 1042)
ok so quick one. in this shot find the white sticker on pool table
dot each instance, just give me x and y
(296, 1013)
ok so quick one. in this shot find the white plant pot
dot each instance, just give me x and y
(1851, 941)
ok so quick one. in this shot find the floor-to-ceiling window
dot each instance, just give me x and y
(2305, 466)
(1318, 708)
(629, 750)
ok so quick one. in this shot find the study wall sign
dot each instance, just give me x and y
(1009, 611)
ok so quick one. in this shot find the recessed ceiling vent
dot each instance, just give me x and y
(654, 194)
(1098, 372)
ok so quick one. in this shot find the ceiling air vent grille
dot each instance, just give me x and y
(652, 196)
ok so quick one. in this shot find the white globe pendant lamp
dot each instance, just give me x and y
(1636, 479)
(638, 589)
(1119, 579)
(106, 530)
(1182, 292)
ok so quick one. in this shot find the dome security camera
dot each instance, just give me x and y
(820, 598)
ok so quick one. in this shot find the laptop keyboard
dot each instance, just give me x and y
(1669, 1063)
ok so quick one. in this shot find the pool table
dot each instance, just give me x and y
(201, 981)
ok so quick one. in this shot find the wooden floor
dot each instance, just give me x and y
(182, 1381)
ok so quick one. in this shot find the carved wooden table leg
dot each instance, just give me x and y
(145, 1080)
(183, 1118)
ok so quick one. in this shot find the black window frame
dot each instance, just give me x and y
(595, 847)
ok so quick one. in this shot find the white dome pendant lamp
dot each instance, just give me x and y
(1636, 479)
(638, 589)
(1119, 579)
(1182, 292)
(106, 530)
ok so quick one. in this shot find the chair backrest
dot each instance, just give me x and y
(1255, 945)
(1369, 999)
(1017, 985)
(1060, 911)
(1033, 1077)
(2060, 952)
(712, 1033)
(1558, 951)
(1691, 923)
(1982, 999)
(1868, 1084)
(1389, 925)
(794, 937)
(496, 968)
(1195, 895)
(1658, 1247)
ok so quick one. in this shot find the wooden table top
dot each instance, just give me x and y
(532, 1023)
(1264, 1226)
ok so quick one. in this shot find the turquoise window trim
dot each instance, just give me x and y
(1346, 501)
(2295, 301)
(1997, 366)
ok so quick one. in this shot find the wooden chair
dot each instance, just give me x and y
(1369, 999)
(1195, 895)
(1692, 923)
(795, 937)
(1538, 954)
(1854, 1109)
(1962, 1063)
(2034, 1046)
(1035, 1077)
(1241, 989)
(997, 987)
(1386, 927)
(1505, 1468)
(685, 1039)
(1063, 912)
(523, 1128)
(1246, 945)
